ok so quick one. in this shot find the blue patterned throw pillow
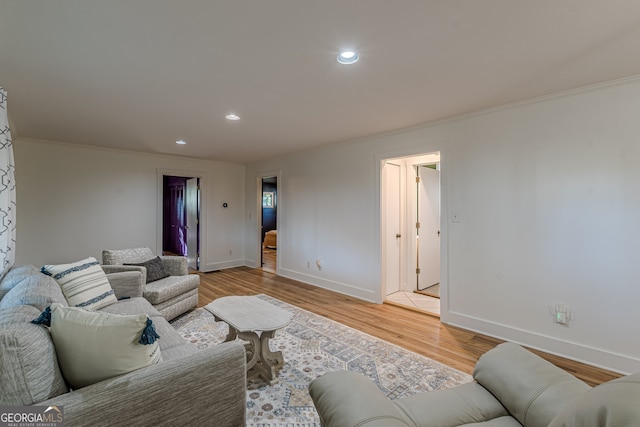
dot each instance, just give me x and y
(83, 283)
(155, 269)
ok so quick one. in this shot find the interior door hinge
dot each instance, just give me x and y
(417, 225)
(417, 180)
(417, 270)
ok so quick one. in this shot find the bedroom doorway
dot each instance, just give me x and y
(181, 218)
(269, 223)
(410, 190)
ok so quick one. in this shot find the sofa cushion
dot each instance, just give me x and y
(121, 256)
(170, 337)
(155, 269)
(17, 315)
(15, 276)
(93, 346)
(465, 404)
(137, 305)
(170, 287)
(35, 290)
(612, 404)
(83, 283)
(29, 371)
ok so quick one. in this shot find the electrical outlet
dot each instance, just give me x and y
(230, 252)
(319, 264)
(561, 314)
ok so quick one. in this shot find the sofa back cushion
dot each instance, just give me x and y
(29, 370)
(533, 390)
(126, 256)
(36, 290)
(612, 404)
(15, 276)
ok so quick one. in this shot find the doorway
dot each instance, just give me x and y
(269, 223)
(411, 262)
(181, 218)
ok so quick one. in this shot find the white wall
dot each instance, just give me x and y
(73, 201)
(549, 206)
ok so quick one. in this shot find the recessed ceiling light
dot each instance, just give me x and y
(232, 117)
(348, 57)
(181, 142)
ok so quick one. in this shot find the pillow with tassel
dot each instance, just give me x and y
(93, 346)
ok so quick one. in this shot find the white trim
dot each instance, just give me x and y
(160, 173)
(343, 288)
(279, 211)
(569, 350)
(215, 266)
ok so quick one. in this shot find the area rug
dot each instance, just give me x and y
(313, 345)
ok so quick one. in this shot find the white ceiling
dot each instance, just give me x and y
(139, 74)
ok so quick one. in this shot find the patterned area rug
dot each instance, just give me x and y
(313, 345)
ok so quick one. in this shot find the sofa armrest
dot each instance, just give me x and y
(175, 265)
(530, 388)
(205, 388)
(108, 269)
(126, 284)
(349, 399)
(614, 403)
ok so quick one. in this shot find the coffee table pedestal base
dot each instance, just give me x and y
(260, 358)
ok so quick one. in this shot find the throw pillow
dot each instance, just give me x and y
(155, 269)
(93, 346)
(84, 283)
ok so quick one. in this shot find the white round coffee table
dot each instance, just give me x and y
(246, 316)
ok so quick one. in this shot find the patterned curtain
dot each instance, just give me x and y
(7, 192)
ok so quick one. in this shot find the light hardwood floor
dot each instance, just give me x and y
(414, 331)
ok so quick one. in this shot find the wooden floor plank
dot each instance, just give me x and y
(417, 332)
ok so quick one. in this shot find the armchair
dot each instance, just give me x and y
(172, 295)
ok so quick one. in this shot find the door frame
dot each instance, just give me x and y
(258, 241)
(411, 263)
(160, 174)
(197, 220)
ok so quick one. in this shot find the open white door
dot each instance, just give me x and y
(193, 209)
(429, 227)
(392, 237)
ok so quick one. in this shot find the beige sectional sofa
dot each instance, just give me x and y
(512, 388)
(188, 387)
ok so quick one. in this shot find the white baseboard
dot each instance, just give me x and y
(213, 266)
(331, 285)
(570, 350)
(252, 263)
